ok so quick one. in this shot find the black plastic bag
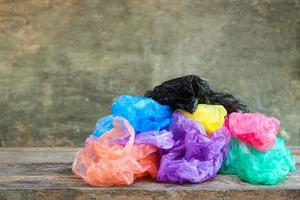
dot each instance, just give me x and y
(188, 91)
(230, 102)
(185, 92)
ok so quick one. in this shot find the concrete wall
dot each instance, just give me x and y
(63, 61)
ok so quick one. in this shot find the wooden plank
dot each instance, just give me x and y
(296, 153)
(55, 176)
(141, 194)
(43, 173)
(37, 155)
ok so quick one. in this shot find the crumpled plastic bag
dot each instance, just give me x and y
(144, 114)
(188, 91)
(258, 167)
(211, 117)
(181, 93)
(230, 102)
(196, 156)
(103, 125)
(254, 129)
(162, 140)
(105, 162)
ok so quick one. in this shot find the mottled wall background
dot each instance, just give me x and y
(63, 61)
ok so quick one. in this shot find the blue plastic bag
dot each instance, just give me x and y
(143, 113)
(103, 125)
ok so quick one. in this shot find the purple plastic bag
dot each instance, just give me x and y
(196, 156)
(162, 140)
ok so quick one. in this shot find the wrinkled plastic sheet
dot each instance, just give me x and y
(105, 162)
(196, 156)
(254, 129)
(211, 117)
(256, 167)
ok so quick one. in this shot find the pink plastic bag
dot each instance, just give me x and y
(254, 129)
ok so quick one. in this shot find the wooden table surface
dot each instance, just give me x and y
(45, 173)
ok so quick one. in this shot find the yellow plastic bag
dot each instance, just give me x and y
(211, 117)
(104, 161)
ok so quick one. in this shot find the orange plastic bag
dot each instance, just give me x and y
(105, 162)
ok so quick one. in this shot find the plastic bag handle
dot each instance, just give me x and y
(118, 122)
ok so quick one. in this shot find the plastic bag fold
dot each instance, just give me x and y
(256, 167)
(211, 117)
(254, 129)
(229, 101)
(196, 156)
(103, 125)
(162, 140)
(105, 162)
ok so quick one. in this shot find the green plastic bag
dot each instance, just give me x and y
(256, 167)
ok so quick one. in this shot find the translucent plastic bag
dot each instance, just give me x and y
(162, 140)
(144, 114)
(103, 125)
(105, 162)
(254, 129)
(211, 117)
(196, 156)
(258, 167)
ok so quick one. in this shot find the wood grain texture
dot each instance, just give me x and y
(45, 173)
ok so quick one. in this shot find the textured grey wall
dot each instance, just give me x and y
(63, 61)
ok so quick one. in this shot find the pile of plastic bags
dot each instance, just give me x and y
(183, 131)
